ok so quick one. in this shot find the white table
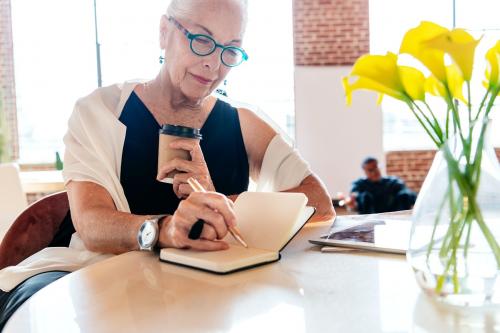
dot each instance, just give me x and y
(307, 291)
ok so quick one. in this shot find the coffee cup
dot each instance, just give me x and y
(169, 133)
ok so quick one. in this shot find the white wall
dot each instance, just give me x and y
(332, 137)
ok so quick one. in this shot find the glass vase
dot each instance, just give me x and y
(454, 244)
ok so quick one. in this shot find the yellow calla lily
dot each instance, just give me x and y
(379, 68)
(455, 82)
(413, 82)
(434, 87)
(347, 89)
(492, 72)
(413, 44)
(368, 84)
(460, 45)
(380, 98)
(377, 73)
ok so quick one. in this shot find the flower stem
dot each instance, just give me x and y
(452, 260)
(469, 106)
(436, 142)
(490, 238)
(492, 101)
(468, 221)
(481, 106)
(437, 219)
(448, 111)
(457, 123)
(435, 123)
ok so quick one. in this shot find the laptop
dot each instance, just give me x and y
(387, 232)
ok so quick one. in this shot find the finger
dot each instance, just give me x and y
(215, 201)
(175, 164)
(179, 185)
(204, 179)
(206, 245)
(181, 178)
(183, 143)
(231, 201)
(193, 146)
(210, 217)
(177, 230)
(176, 188)
(208, 232)
(183, 216)
(164, 170)
(184, 190)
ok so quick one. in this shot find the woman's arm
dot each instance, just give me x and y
(318, 197)
(101, 227)
(104, 229)
(257, 135)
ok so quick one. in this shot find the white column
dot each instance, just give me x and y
(333, 137)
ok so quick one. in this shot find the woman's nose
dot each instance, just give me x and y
(212, 61)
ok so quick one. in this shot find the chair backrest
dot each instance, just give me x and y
(12, 198)
(34, 229)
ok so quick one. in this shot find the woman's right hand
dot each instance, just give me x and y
(214, 208)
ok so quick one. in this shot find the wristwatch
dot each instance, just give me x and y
(147, 237)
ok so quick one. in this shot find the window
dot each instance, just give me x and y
(56, 63)
(267, 79)
(401, 130)
(54, 59)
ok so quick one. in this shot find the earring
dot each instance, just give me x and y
(162, 59)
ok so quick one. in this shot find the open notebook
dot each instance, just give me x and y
(267, 221)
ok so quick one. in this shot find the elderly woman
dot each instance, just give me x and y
(112, 151)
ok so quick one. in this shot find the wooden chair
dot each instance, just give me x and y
(45, 223)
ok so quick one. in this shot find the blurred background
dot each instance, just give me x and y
(298, 51)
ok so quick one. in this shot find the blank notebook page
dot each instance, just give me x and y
(268, 220)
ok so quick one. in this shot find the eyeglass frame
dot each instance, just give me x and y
(192, 36)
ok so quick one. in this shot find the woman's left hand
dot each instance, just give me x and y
(196, 168)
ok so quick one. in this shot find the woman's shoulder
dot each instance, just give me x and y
(111, 98)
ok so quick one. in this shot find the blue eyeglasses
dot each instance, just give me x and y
(203, 45)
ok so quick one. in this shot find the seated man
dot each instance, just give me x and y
(377, 194)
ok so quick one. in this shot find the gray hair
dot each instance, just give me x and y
(183, 8)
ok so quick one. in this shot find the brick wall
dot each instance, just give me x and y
(412, 166)
(7, 82)
(330, 32)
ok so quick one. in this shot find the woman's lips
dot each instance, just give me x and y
(202, 79)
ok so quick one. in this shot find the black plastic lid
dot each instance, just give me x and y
(182, 131)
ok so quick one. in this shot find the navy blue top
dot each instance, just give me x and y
(386, 195)
(222, 146)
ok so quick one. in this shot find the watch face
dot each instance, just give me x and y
(148, 234)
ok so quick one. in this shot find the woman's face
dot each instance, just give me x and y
(197, 76)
